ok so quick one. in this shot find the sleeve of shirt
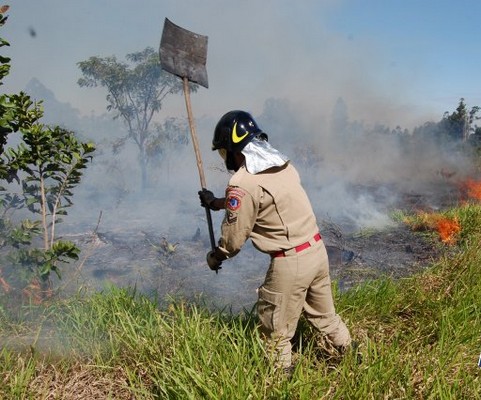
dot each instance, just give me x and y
(240, 216)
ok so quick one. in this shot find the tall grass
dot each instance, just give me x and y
(420, 338)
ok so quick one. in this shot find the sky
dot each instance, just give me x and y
(399, 62)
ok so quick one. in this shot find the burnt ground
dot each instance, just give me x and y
(154, 265)
(172, 264)
(395, 252)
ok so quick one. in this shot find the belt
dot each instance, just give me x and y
(297, 249)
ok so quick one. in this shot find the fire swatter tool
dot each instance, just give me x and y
(184, 53)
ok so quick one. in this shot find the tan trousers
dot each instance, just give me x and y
(294, 284)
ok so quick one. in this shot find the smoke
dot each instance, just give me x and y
(354, 172)
(332, 102)
(257, 50)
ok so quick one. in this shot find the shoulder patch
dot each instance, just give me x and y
(234, 198)
(236, 191)
(233, 202)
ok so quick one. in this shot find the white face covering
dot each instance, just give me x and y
(260, 155)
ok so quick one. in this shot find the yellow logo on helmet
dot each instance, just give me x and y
(235, 137)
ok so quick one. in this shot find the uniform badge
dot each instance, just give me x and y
(234, 196)
(233, 203)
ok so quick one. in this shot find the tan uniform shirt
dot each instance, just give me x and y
(270, 207)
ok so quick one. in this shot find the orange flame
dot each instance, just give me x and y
(448, 230)
(471, 189)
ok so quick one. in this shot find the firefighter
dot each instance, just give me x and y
(264, 201)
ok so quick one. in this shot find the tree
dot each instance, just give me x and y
(135, 92)
(46, 165)
(456, 127)
(170, 135)
(50, 161)
(53, 160)
(460, 124)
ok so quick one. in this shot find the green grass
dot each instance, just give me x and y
(420, 338)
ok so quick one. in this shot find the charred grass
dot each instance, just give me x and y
(419, 337)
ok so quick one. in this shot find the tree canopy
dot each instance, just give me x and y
(135, 92)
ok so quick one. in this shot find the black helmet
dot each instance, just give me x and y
(234, 130)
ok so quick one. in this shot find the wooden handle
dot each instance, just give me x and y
(197, 156)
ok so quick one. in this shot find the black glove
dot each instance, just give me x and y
(213, 262)
(207, 199)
